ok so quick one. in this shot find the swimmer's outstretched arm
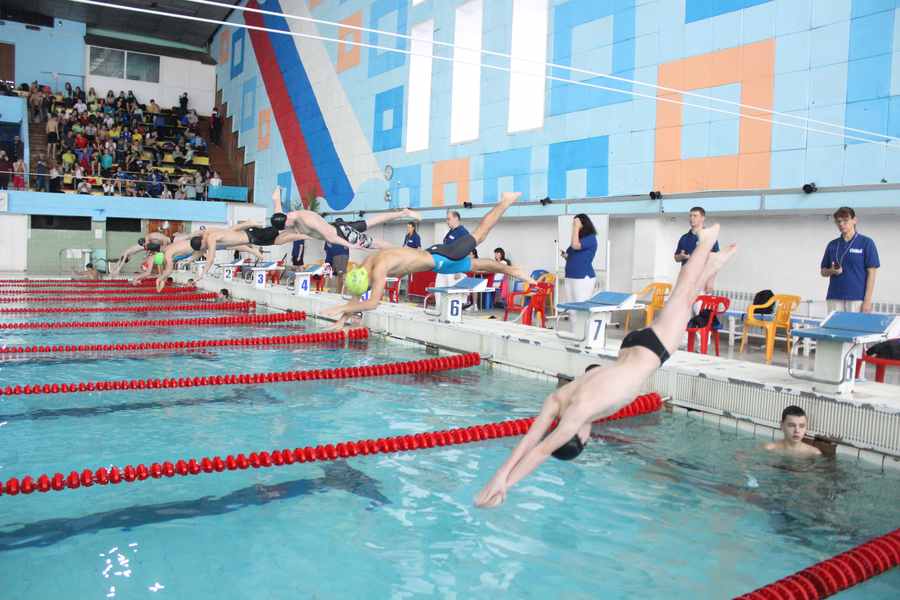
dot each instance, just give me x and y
(494, 493)
(210, 239)
(131, 250)
(356, 305)
(245, 225)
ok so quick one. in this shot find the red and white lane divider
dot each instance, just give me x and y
(835, 574)
(188, 322)
(405, 368)
(245, 306)
(39, 296)
(107, 299)
(275, 340)
(281, 457)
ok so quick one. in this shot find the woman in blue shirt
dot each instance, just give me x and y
(580, 276)
(411, 240)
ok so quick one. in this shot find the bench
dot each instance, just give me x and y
(737, 316)
(839, 343)
(589, 318)
(450, 299)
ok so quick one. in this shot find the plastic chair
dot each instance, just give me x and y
(716, 305)
(538, 304)
(781, 319)
(393, 291)
(659, 292)
(525, 295)
(274, 276)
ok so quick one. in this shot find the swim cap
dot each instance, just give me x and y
(357, 281)
(159, 258)
(141, 241)
(570, 450)
(197, 243)
(279, 220)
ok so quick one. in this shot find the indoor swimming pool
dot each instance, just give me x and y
(661, 505)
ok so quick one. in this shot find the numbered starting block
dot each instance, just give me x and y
(451, 299)
(261, 270)
(302, 279)
(840, 342)
(588, 319)
(229, 269)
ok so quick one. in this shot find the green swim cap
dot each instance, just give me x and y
(357, 281)
(159, 259)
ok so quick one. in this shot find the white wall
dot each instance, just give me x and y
(14, 246)
(176, 75)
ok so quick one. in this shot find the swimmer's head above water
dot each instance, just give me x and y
(197, 243)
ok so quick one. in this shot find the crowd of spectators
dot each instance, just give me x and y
(112, 145)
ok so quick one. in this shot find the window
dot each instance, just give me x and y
(418, 119)
(121, 224)
(107, 63)
(529, 51)
(142, 67)
(55, 222)
(465, 93)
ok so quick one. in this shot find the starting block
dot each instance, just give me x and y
(229, 269)
(589, 318)
(302, 281)
(839, 343)
(450, 299)
(260, 270)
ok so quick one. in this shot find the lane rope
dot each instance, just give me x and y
(245, 306)
(400, 368)
(303, 338)
(835, 574)
(141, 291)
(281, 457)
(187, 322)
(108, 299)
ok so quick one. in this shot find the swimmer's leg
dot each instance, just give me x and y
(251, 249)
(406, 213)
(702, 265)
(276, 199)
(491, 219)
(492, 266)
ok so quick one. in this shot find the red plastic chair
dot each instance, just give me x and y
(538, 304)
(274, 275)
(881, 365)
(716, 305)
(393, 291)
(526, 294)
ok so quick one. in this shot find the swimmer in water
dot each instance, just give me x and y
(441, 258)
(90, 272)
(601, 392)
(350, 234)
(793, 426)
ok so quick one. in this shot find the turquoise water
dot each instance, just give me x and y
(661, 506)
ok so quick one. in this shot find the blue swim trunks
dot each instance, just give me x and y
(445, 266)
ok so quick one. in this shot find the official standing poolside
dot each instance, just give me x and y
(850, 263)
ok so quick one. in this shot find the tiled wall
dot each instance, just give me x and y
(329, 117)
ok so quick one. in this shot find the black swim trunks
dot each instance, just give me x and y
(352, 231)
(647, 338)
(152, 247)
(458, 249)
(261, 236)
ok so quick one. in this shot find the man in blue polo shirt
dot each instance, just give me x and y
(337, 256)
(688, 241)
(850, 263)
(456, 232)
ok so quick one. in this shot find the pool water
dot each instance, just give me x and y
(659, 506)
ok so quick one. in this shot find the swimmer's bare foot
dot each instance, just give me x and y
(508, 198)
(276, 195)
(709, 234)
(520, 274)
(411, 214)
(715, 262)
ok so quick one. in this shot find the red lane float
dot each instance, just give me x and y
(129, 291)
(304, 338)
(107, 299)
(286, 456)
(405, 368)
(835, 574)
(202, 322)
(245, 306)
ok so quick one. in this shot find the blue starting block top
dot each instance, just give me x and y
(467, 285)
(851, 327)
(312, 270)
(601, 301)
(265, 265)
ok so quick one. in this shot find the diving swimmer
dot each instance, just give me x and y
(601, 392)
(441, 258)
